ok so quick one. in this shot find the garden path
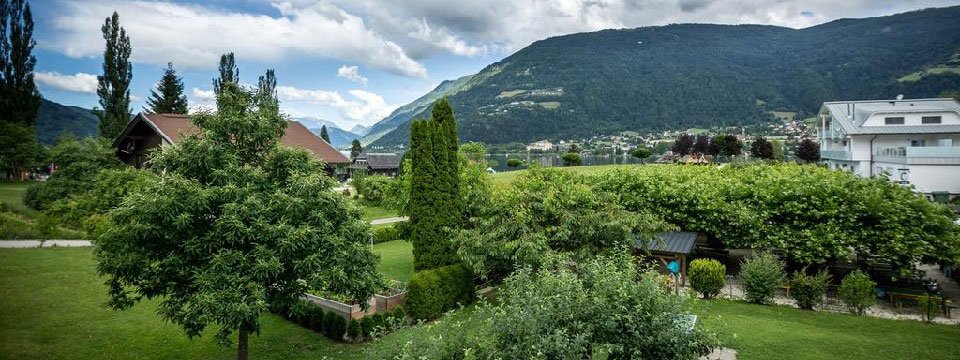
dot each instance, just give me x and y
(18, 244)
(389, 220)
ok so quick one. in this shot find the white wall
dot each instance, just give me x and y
(878, 119)
(927, 178)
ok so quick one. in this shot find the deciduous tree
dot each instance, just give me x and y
(113, 86)
(683, 145)
(808, 150)
(640, 153)
(761, 148)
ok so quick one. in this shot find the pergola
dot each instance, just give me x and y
(670, 246)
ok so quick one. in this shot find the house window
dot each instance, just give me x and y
(918, 143)
(893, 120)
(930, 120)
(945, 142)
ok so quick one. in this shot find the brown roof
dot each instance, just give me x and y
(173, 126)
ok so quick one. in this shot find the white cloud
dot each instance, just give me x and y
(351, 73)
(204, 95)
(79, 82)
(444, 39)
(362, 107)
(195, 36)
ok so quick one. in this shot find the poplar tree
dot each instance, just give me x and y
(114, 85)
(19, 98)
(168, 97)
(323, 134)
(229, 78)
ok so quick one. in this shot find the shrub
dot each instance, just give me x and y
(338, 326)
(929, 306)
(514, 162)
(707, 277)
(808, 290)
(385, 234)
(403, 229)
(328, 320)
(761, 276)
(315, 318)
(353, 330)
(399, 313)
(373, 189)
(858, 292)
(366, 326)
(432, 292)
(297, 312)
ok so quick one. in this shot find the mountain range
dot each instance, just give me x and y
(338, 137)
(691, 75)
(54, 120)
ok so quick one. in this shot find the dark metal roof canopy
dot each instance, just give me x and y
(673, 243)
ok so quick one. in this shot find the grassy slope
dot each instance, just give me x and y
(11, 194)
(396, 259)
(19, 220)
(777, 332)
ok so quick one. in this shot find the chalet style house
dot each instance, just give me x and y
(148, 131)
(913, 142)
(376, 164)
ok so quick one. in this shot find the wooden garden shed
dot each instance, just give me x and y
(671, 246)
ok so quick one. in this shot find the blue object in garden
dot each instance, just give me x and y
(674, 267)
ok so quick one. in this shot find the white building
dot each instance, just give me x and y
(914, 142)
(542, 145)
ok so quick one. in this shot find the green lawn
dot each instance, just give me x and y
(778, 332)
(52, 307)
(19, 221)
(11, 194)
(371, 212)
(396, 259)
(502, 179)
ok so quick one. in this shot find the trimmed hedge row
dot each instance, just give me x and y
(398, 231)
(432, 292)
(311, 316)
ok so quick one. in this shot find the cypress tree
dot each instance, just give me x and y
(114, 85)
(356, 149)
(324, 135)
(19, 98)
(168, 97)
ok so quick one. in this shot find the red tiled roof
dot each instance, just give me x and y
(174, 126)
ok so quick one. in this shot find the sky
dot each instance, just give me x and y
(353, 62)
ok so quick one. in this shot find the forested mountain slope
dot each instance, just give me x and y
(692, 75)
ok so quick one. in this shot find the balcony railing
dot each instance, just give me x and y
(836, 154)
(920, 154)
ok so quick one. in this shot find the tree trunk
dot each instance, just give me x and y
(242, 344)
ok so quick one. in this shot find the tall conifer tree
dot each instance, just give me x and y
(324, 134)
(19, 98)
(114, 85)
(168, 97)
(229, 79)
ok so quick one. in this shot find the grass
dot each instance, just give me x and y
(11, 194)
(20, 221)
(52, 307)
(371, 212)
(779, 332)
(502, 179)
(396, 259)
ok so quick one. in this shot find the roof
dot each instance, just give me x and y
(851, 115)
(380, 161)
(172, 127)
(673, 243)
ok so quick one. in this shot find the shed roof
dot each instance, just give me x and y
(172, 127)
(673, 243)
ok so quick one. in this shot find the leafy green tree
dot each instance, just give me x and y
(640, 153)
(858, 292)
(19, 98)
(19, 149)
(86, 209)
(571, 159)
(235, 223)
(168, 97)
(229, 79)
(727, 145)
(549, 211)
(514, 162)
(77, 164)
(808, 150)
(434, 205)
(761, 148)
(355, 149)
(323, 134)
(113, 86)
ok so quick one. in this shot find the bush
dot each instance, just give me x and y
(808, 290)
(353, 330)
(385, 234)
(315, 318)
(373, 189)
(929, 306)
(366, 326)
(707, 277)
(858, 292)
(514, 162)
(432, 292)
(403, 229)
(337, 326)
(297, 312)
(761, 276)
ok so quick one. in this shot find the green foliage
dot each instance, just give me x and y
(514, 162)
(707, 277)
(761, 148)
(366, 326)
(86, 210)
(571, 159)
(353, 330)
(641, 153)
(761, 276)
(751, 70)
(168, 97)
(337, 326)
(385, 233)
(355, 149)
(234, 223)
(809, 214)
(858, 292)
(602, 307)
(19, 98)
(432, 292)
(808, 150)
(374, 189)
(113, 86)
(434, 206)
(929, 306)
(727, 145)
(323, 134)
(78, 164)
(19, 150)
(548, 211)
(808, 290)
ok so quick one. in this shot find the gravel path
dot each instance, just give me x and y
(389, 220)
(20, 244)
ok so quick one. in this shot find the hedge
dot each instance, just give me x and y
(432, 292)
(385, 234)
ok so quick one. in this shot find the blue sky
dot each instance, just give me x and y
(353, 62)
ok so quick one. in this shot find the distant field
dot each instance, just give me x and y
(938, 70)
(505, 178)
(550, 104)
